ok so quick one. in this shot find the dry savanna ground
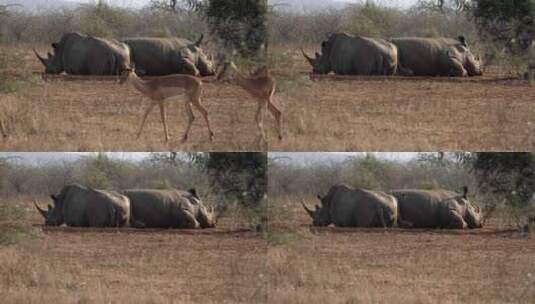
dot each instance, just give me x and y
(69, 265)
(291, 263)
(327, 114)
(330, 265)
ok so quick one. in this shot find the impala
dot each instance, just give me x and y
(169, 88)
(261, 86)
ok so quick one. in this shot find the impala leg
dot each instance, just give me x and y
(278, 117)
(204, 112)
(163, 115)
(147, 112)
(260, 120)
(3, 129)
(196, 101)
(191, 118)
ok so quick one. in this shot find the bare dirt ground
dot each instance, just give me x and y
(490, 265)
(487, 113)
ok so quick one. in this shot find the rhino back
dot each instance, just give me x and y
(156, 56)
(423, 208)
(356, 55)
(74, 53)
(155, 208)
(354, 207)
(106, 57)
(420, 55)
(75, 203)
(112, 209)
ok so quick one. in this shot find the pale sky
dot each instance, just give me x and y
(140, 3)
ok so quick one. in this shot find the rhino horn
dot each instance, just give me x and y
(308, 58)
(310, 212)
(199, 41)
(43, 61)
(43, 212)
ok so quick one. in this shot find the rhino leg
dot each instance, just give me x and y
(405, 71)
(456, 221)
(403, 223)
(456, 67)
(188, 221)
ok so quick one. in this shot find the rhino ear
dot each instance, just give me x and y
(198, 43)
(193, 192)
(462, 40)
(465, 192)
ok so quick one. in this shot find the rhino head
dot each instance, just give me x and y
(321, 215)
(206, 217)
(194, 61)
(54, 215)
(53, 63)
(322, 63)
(471, 63)
(473, 215)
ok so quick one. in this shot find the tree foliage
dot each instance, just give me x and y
(511, 175)
(240, 24)
(242, 175)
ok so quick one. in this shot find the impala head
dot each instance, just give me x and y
(126, 73)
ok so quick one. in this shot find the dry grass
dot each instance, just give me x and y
(328, 114)
(115, 266)
(384, 266)
(301, 265)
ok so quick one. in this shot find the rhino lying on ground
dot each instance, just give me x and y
(78, 54)
(436, 209)
(170, 209)
(436, 57)
(347, 55)
(164, 56)
(347, 207)
(80, 206)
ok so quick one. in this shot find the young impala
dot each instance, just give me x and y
(261, 86)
